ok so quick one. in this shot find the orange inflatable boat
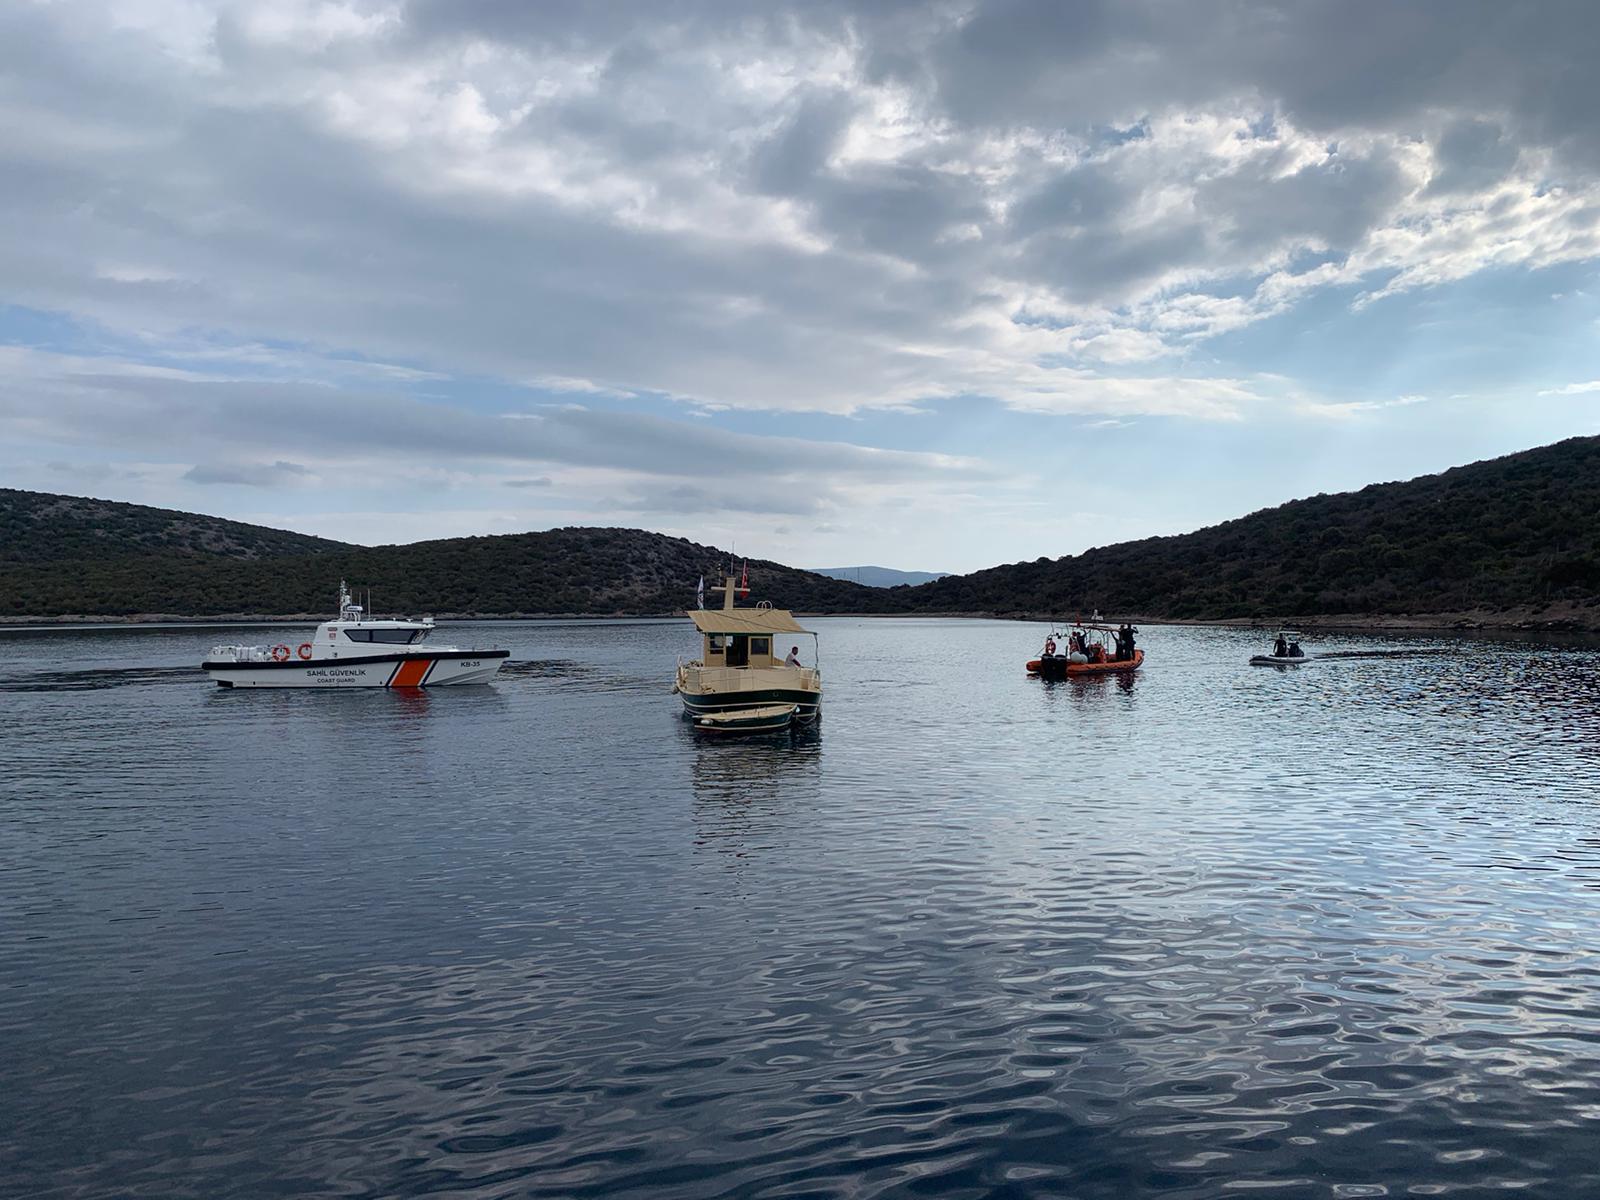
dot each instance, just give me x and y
(1088, 649)
(1057, 667)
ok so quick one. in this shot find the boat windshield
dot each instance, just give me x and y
(391, 637)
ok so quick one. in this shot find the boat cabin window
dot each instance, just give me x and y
(738, 651)
(761, 646)
(716, 642)
(390, 637)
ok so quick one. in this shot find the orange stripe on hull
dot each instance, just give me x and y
(411, 672)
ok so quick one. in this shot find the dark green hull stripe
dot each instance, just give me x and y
(808, 701)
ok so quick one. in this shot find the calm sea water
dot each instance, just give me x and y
(1213, 930)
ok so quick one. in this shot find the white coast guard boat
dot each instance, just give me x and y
(354, 650)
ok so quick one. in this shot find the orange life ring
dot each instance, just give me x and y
(305, 650)
(280, 653)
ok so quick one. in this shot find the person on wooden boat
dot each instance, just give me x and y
(1280, 648)
(794, 657)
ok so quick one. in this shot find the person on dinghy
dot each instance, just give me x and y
(1280, 648)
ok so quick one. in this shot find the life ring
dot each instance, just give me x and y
(305, 650)
(280, 653)
(1049, 645)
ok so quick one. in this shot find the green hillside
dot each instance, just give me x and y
(41, 527)
(1520, 532)
(1506, 539)
(558, 571)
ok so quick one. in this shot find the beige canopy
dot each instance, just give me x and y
(744, 620)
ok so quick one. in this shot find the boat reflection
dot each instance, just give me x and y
(746, 792)
(1086, 688)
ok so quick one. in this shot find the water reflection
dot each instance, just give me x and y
(743, 786)
(1075, 691)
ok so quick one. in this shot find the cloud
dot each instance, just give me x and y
(264, 475)
(1573, 389)
(343, 433)
(782, 497)
(826, 207)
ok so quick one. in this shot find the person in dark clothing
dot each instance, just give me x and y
(1281, 648)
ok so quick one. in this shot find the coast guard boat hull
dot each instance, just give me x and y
(436, 669)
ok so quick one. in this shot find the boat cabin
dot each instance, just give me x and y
(752, 638)
(353, 633)
(745, 637)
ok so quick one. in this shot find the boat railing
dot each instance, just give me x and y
(752, 679)
(239, 654)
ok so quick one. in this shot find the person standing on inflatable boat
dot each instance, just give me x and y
(1125, 642)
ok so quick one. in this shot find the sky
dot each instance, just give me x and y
(926, 285)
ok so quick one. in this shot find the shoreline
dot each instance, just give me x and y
(1565, 618)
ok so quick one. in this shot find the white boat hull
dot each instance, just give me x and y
(385, 671)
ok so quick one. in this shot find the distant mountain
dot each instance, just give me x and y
(1518, 536)
(879, 577)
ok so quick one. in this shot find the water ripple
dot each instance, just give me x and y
(1203, 931)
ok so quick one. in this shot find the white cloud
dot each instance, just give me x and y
(250, 432)
(818, 209)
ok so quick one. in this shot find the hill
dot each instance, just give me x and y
(41, 527)
(1509, 536)
(879, 577)
(1510, 540)
(66, 555)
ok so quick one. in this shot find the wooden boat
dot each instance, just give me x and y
(770, 718)
(1099, 655)
(742, 668)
